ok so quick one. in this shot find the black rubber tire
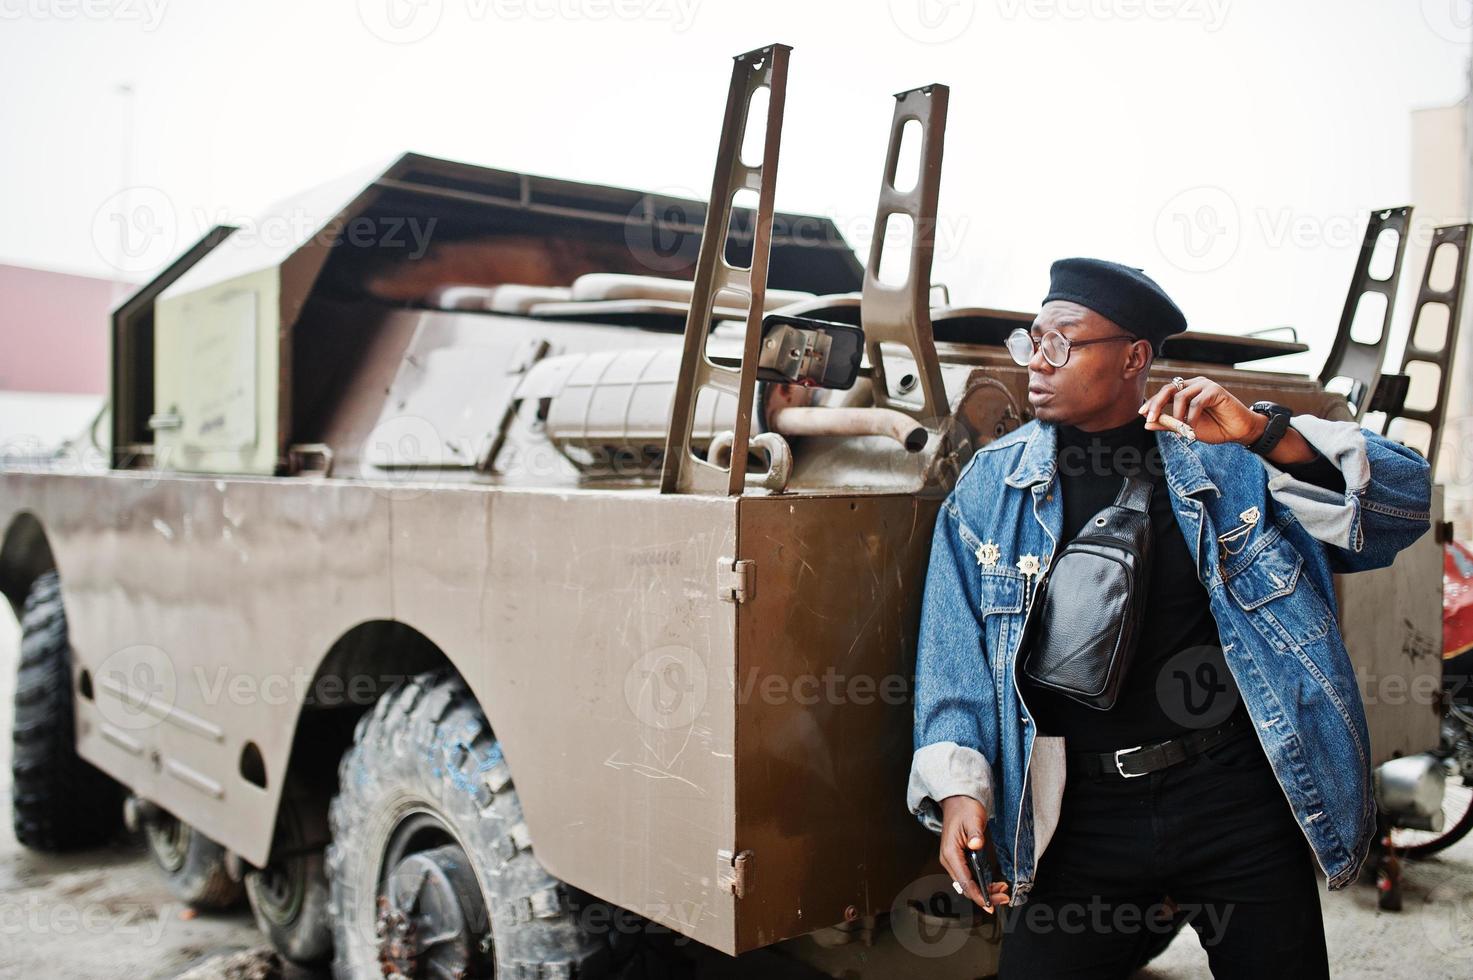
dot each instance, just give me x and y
(59, 802)
(192, 864)
(426, 746)
(291, 900)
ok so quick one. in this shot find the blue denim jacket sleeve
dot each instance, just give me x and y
(1387, 500)
(955, 732)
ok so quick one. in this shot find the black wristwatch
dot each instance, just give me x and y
(1278, 424)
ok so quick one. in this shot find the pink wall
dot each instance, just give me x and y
(54, 329)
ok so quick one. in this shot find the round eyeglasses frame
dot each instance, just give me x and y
(1022, 346)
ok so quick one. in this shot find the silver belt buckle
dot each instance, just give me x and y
(1123, 773)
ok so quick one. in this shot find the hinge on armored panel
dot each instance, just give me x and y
(1450, 302)
(682, 470)
(736, 580)
(1358, 361)
(732, 872)
(902, 314)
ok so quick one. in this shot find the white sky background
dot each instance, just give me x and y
(1077, 126)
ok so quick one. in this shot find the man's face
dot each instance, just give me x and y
(1097, 380)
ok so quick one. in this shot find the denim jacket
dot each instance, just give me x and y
(1265, 546)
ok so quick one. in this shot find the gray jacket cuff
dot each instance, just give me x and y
(1328, 516)
(944, 769)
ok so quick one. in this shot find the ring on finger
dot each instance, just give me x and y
(1180, 382)
(958, 886)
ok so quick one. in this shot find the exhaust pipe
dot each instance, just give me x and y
(803, 420)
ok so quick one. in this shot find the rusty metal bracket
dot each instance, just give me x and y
(1451, 299)
(521, 362)
(301, 457)
(682, 470)
(1359, 362)
(902, 314)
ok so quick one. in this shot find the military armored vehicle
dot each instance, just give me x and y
(508, 574)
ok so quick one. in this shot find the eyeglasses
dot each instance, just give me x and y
(1055, 346)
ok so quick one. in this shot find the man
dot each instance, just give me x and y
(1236, 756)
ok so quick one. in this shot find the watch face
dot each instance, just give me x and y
(1269, 408)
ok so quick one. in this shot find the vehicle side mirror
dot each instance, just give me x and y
(813, 353)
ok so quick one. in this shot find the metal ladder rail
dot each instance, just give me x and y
(1356, 360)
(902, 314)
(1455, 237)
(682, 471)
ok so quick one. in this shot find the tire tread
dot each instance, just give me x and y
(431, 729)
(59, 802)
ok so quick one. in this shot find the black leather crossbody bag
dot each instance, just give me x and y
(1085, 616)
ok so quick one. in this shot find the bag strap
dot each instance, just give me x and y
(1135, 494)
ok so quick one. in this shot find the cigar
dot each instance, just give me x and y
(1178, 426)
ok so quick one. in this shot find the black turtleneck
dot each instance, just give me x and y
(1178, 680)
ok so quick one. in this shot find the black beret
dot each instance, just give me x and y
(1119, 293)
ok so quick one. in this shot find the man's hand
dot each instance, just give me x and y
(1209, 408)
(1216, 415)
(963, 822)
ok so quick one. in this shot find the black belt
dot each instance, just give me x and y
(1139, 760)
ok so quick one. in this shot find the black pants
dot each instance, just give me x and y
(1215, 833)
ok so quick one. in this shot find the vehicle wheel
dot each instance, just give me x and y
(290, 897)
(429, 856)
(193, 865)
(58, 801)
(1456, 750)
